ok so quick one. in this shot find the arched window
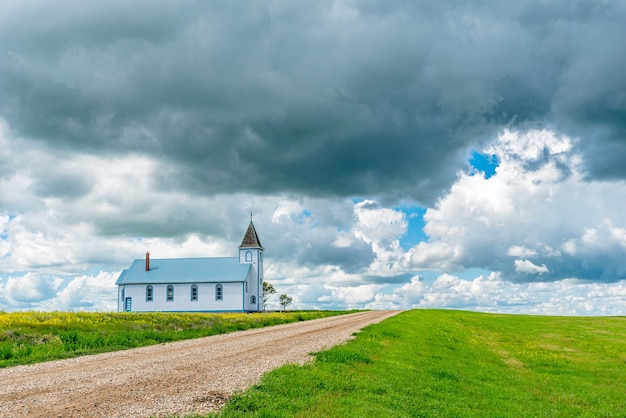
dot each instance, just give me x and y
(253, 300)
(149, 293)
(249, 256)
(170, 293)
(194, 292)
(219, 292)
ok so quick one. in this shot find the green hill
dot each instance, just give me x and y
(435, 363)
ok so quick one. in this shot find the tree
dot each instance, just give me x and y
(285, 300)
(268, 290)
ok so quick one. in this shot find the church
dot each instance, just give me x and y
(212, 284)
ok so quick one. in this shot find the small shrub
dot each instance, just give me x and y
(71, 340)
(6, 352)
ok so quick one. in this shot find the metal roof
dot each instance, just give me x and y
(185, 270)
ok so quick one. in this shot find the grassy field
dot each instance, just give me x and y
(30, 337)
(433, 363)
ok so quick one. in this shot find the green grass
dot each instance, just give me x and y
(31, 337)
(433, 363)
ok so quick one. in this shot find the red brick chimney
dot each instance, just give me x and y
(147, 260)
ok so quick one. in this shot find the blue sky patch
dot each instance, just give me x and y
(484, 163)
(415, 231)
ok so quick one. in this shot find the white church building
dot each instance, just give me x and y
(213, 284)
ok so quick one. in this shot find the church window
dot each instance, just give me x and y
(253, 300)
(219, 292)
(249, 256)
(194, 292)
(170, 293)
(149, 293)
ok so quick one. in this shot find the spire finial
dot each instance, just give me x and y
(250, 216)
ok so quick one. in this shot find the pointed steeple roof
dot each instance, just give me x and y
(251, 239)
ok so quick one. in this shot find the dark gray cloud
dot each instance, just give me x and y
(322, 98)
(64, 183)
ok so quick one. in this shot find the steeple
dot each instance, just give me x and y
(251, 239)
(251, 253)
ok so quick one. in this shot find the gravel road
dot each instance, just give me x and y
(184, 377)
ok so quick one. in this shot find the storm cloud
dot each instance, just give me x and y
(316, 98)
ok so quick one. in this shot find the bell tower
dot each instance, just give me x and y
(251, 252)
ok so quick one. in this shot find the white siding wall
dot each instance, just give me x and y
(232, 297)
(120, 298)
(254, 279)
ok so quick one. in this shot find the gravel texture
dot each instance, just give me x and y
(184, 377)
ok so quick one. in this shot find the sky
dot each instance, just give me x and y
(394, 154)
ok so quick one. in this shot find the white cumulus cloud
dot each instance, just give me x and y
(537, 205)
(527, 267)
